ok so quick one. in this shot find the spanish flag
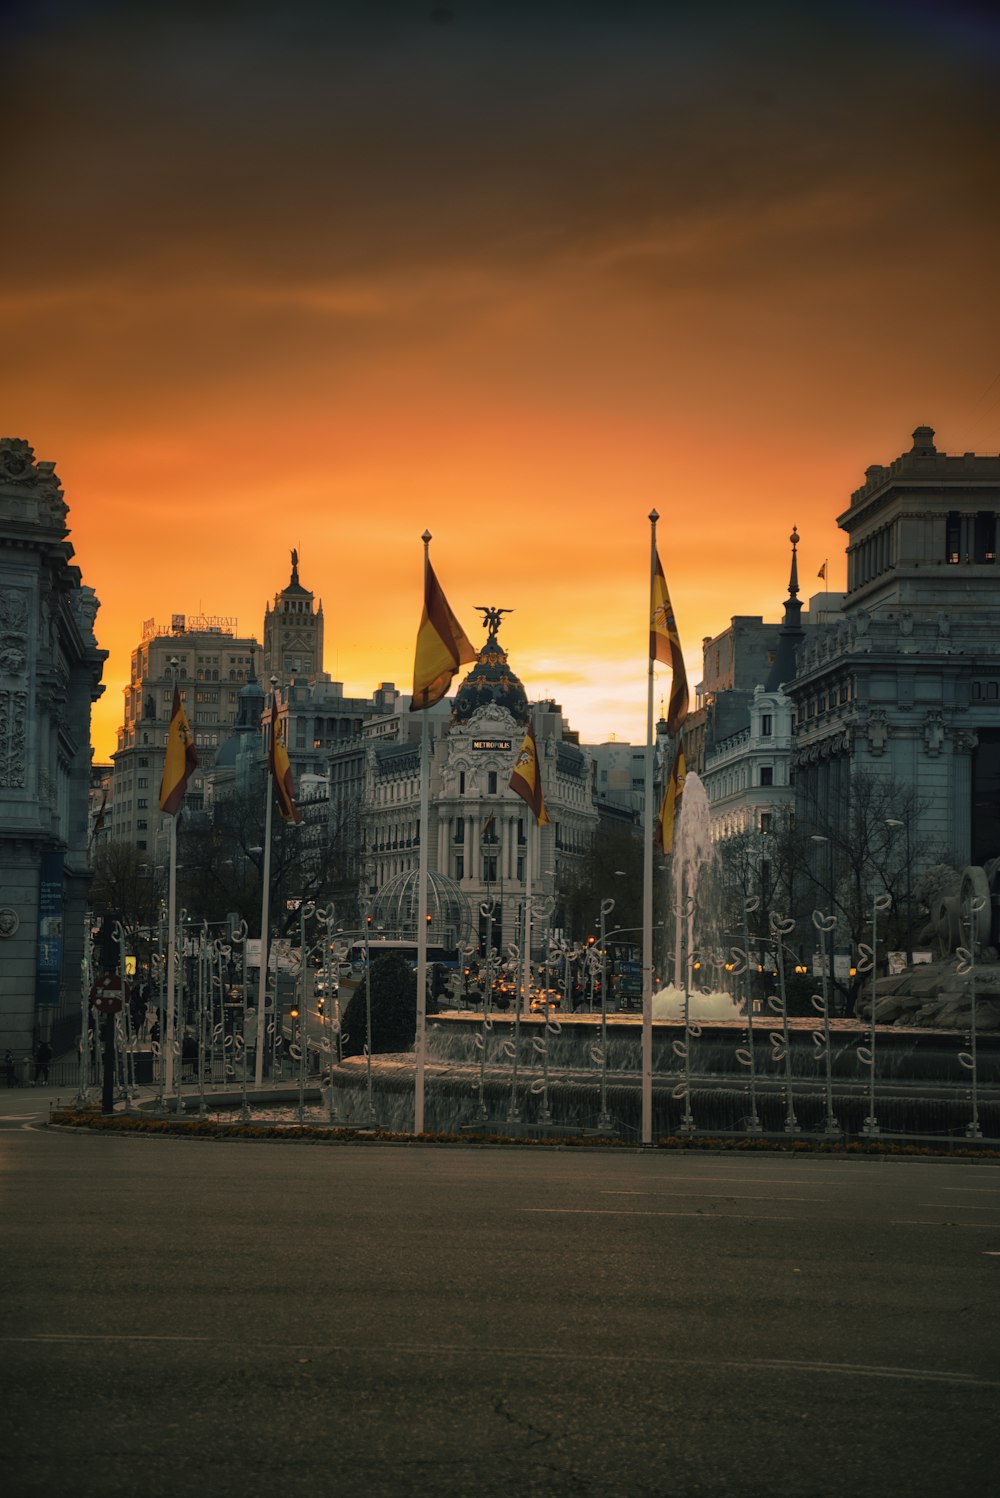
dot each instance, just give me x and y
(665, 646)
(181, 758)
(527, 779)
(671, 804)
(281, 769)
(442, 646)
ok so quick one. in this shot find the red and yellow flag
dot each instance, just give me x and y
(526, 779)
(281, 770)
(665, 646)
(671, 804)
(442, 646)
(180, 760)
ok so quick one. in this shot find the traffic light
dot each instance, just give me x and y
(294, 1012)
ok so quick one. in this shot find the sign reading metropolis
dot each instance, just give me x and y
(494, 744)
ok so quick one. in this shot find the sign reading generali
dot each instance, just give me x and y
(494, 744)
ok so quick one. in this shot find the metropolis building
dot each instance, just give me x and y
(479, 828)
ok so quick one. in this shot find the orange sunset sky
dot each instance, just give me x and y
(325, 275)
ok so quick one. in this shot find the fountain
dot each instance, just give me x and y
(717, 1068)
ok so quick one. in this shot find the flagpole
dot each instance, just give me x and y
(420, 1034)
(168, 1035)
(265, 908)
(647, 884)
(528, 852)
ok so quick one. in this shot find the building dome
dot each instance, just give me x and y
(491, 680)
(396, 909)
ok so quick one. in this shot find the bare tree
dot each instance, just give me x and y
(872, 846)
(125, 885)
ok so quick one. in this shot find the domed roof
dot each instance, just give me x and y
(491, 680)
(396, 909)
(246, 726)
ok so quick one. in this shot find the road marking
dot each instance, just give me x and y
(622, 1212)
(558, 1354)
(957, 1207)
(924, 1222)
(725, 1196)
(979, 1190)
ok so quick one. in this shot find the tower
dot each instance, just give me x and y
(293, 633)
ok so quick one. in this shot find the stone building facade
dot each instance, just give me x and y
(479, 828)
(905, 685)
(213, 665)
(50, 674)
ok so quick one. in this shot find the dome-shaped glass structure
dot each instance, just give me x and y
(396, 908)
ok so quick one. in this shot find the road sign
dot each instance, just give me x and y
(109, 993)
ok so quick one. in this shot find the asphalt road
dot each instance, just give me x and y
(192, 1317)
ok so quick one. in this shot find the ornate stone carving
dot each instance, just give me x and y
(878, 731)
(13, 612)
(12, 660)
(966, 741)
(13, 710)
(933, 732)
(17, 461)
(9, 923)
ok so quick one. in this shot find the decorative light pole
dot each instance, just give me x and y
(868, 962)
(825, 926)
(742, 968)
(782, 1051)
(604, 1117)
(238, 937)
(966, 966)
(893, 823)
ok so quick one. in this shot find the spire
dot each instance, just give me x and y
(791, 631)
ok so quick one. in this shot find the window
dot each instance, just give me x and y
(458, 836)
(461, 782)
(459, 866)
(142, 803)
(491, 782)
(953, 538)
(142, 782)
(489, 868)
(766, 823)
(985, 537)
(765, 725)
(767, 774)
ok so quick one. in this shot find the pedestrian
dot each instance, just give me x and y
(43, 1055)
(10, 1068)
